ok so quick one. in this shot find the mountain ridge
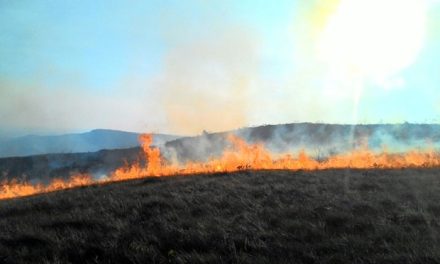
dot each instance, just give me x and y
(92, 141)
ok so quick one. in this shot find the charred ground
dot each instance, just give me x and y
(333, 216)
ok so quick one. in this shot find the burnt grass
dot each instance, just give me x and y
(333, 216)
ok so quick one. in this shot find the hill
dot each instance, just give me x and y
(94, 140)
(333, 216)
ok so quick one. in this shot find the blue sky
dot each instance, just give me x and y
(185, 66)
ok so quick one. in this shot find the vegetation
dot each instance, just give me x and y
(334, 216)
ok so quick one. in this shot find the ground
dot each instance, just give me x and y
(332, 216)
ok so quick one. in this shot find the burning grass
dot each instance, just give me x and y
(276, 216)
(240, 156)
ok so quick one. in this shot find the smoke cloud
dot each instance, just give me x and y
(206, 81)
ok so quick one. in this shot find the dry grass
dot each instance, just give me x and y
(335, 216)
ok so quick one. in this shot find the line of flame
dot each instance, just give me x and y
(241, 156)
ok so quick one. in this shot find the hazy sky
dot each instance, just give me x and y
(184, 66)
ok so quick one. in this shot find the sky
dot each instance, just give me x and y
(182, 67)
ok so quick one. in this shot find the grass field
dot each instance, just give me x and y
(334, 216)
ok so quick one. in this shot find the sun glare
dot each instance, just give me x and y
(373, 38)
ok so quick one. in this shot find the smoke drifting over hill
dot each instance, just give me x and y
(318, 140)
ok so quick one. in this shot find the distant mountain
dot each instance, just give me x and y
(92, 141)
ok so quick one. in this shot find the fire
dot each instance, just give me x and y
(240, 156)
(14, 188)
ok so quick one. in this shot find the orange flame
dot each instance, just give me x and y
(12, 189)
(241, 156)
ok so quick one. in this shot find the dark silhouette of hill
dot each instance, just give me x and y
(331, 216)
(94, 140)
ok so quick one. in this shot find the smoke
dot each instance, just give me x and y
(206, 81)
(202, 75)
(317, 140)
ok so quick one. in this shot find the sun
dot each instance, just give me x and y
(373, 38)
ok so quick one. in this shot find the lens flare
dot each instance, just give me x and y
(373, 38)
(368, 41)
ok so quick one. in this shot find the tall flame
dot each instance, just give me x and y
(240, 156)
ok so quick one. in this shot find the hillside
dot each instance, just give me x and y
(94, 140)
(333, 216)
